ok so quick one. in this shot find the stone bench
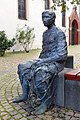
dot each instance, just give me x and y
(60, 83)
(68, 87)
(72, 89)
(59, 94)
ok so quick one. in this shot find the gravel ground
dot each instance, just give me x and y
(10, 88)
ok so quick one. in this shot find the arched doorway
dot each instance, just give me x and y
(74, 32)
(74, 28)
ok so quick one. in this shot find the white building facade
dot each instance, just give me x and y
(18, 13)
(10, 19)
(69, 21)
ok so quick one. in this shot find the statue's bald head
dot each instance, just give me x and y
(48, 17)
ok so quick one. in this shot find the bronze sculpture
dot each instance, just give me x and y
(37, 76)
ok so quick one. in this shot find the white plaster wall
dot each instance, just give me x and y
(9, 19)
(36, 7)
(7, 16)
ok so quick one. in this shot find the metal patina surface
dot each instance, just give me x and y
(38, 77)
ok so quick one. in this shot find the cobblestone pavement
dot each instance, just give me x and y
(10, 88)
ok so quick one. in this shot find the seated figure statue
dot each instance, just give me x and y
(36, 76)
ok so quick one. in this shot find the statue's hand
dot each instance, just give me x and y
(39, 62)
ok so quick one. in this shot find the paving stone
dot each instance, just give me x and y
(7, 106)
(40, 116)
(67, 117)
(0, 107)
(62, 110)
(77, 114)
(54, 110)
(11, 118)
(61, 115)
(3, 102)
(6, 117)
(23, 118)
(58, 119)
(17, 107)
(2, 98)
(18, 116)
(2, 110)
(55, 115)
(38, 119)
(73, 118)
(3, 113)
(10, 109)
(47, 117)
(14, 112)
(9, 84)
(31, 117)
(48, 113)
(70, 112)
(22, 111)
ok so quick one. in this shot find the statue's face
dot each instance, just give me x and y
(47, 19)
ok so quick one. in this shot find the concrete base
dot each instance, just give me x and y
(60, 82)
(59, 94)
(67, 91)
(72, 94)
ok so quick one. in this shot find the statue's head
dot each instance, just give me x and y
(48, 18)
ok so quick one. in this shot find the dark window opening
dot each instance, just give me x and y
(46, 4)
(54, 1)
(22, 9)
(63, 19)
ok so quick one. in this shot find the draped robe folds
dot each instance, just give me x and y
(40, 73)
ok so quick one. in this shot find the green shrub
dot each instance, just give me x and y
(5, 43)
(25, 37)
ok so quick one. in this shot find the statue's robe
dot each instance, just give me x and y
(40, 74)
